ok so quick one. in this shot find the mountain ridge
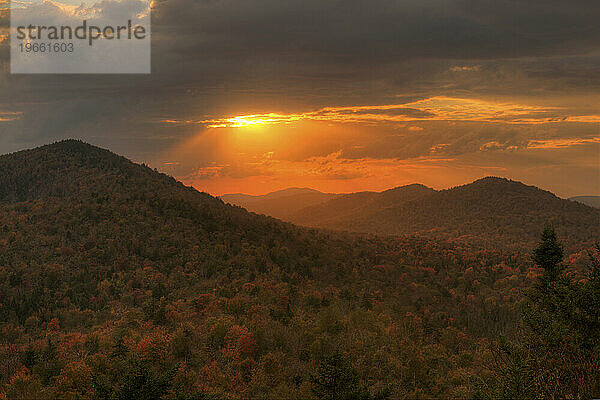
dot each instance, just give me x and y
(281, 203)
(490, 204)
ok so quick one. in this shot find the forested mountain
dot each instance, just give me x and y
(350, 206)
(117, 282)
(490, 210)
(592, 201)
(280, 204)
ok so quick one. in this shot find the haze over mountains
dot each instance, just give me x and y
(592, 201)
(280, 204)
(489, 209)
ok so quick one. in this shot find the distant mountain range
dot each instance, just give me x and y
(281, 204)
(592, 201)
(491, 209)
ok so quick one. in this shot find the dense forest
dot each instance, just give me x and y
(117, 282)
(493, 212)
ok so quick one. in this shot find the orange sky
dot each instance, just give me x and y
(255, 96)
(439, 141)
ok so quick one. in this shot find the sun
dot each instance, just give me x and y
(242, 121)
(245, 121)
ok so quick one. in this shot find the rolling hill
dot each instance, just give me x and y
(348, 206)
(119, 282)
(494, 210)
(280, 204)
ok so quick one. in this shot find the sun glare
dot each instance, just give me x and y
(244, 121)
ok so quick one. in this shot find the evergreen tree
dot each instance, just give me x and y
(336, 379)
(549, 255)
(556, 356)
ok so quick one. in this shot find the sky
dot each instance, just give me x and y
(339, 95)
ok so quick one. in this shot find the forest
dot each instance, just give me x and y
(494, 212)
(118, 282)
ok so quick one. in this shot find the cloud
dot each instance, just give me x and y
(465, 68)
(8, 116)
(480, 77)
(439, 108)
(561, 143)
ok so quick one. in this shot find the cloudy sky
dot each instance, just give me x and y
(339, 95)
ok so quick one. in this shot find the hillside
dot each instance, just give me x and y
(280, 204)
(592, 201)
(118, 282)
(349, 206)
(492, 210)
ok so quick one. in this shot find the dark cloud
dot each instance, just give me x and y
(441, 139)
(383, 31)
(392, 112)
(218, 57)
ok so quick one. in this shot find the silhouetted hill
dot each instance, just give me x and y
(248, 198)
(73, 168)
(592, 201)
(495, 210)
(280, 204)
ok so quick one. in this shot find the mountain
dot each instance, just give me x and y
(280, 204)
(592, 201)
(119, 282)
(69, 184)
(494, 210)
(347, 207)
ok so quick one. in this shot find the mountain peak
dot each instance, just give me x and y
(411, 186)
(71, 145)
(487, 209)
(67, 168)
(492, 179)
(70, 142)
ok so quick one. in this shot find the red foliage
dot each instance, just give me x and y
(53, 325)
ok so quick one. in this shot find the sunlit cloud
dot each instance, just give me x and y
(561, 143)
(584, 118)
(495, 145)
(9, 116)
(465, 68)
(331, 166)
(333, 172)
(437, 108)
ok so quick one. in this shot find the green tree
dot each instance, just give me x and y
(556, 352)
(336, 379)
(141, 382)
(549, 255)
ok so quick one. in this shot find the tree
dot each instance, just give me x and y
(549, 254)
(556, 353)
(140, 382)
(336, 379)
